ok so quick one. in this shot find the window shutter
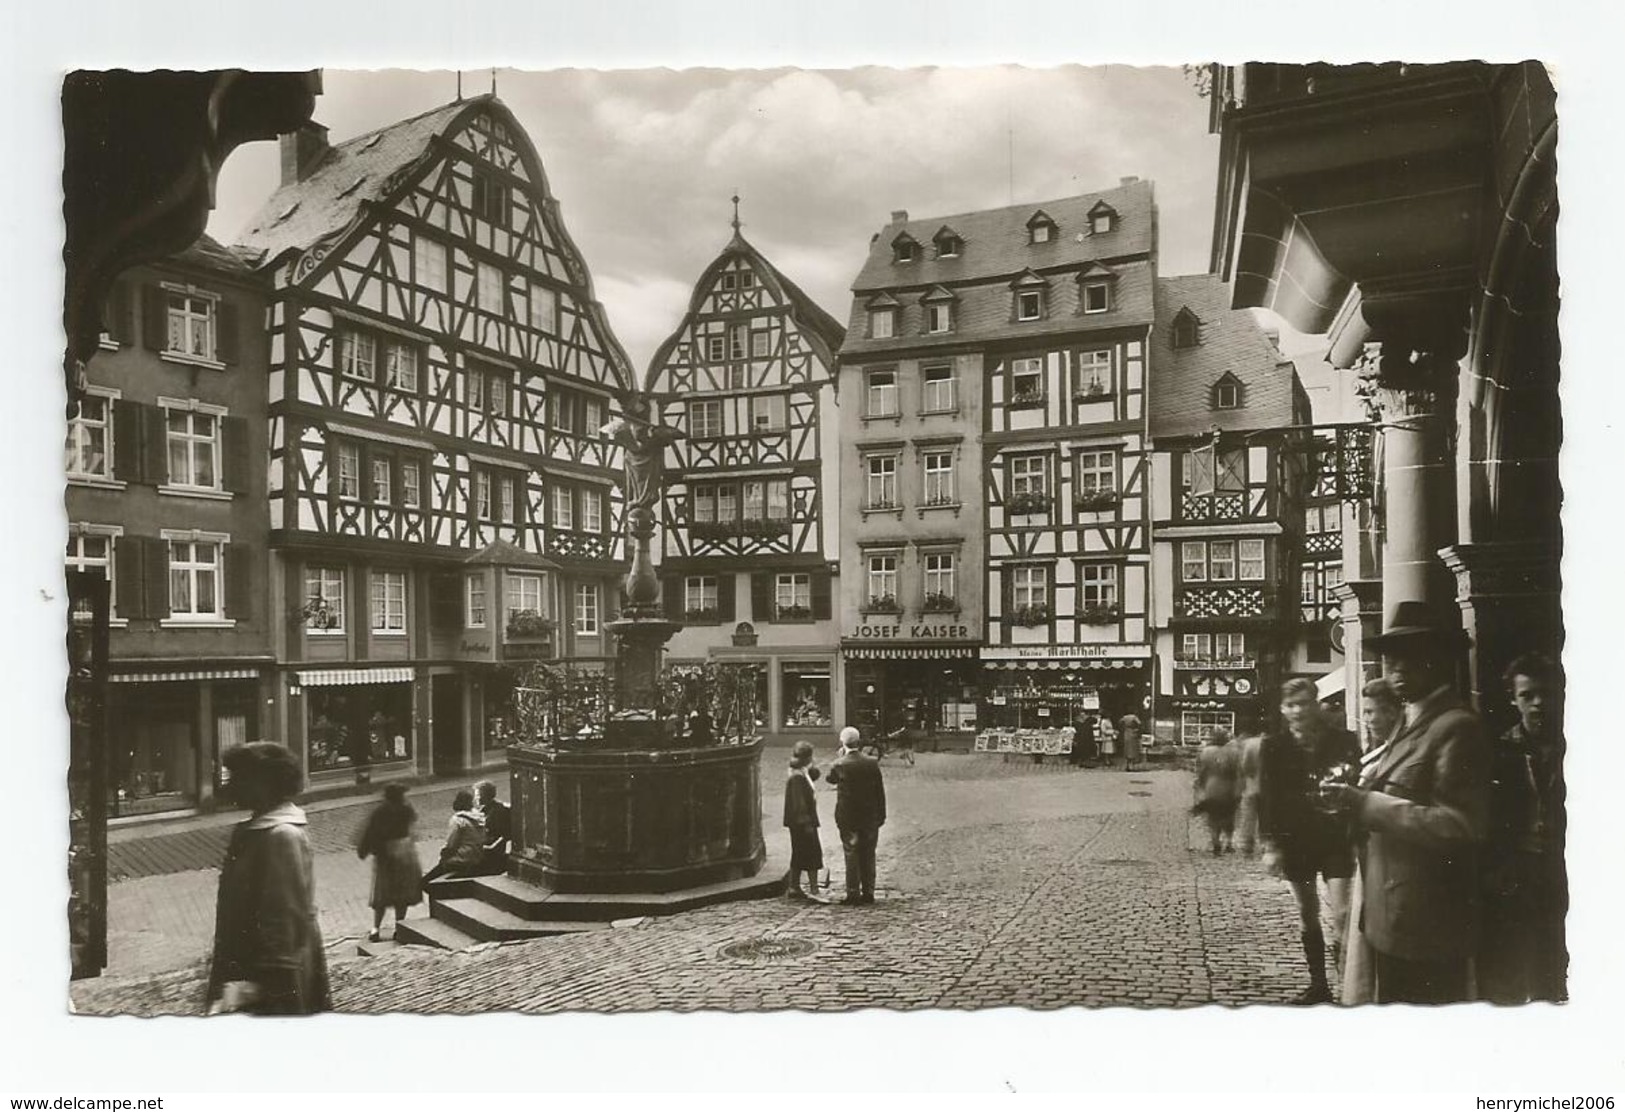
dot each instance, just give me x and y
(127, 441)
(225, 332)
(240, 578)
(726, 608)
(671, 597)
(119, 320)
(154, 317)
(820, 594)
(129, 572)
(235, 468)
(446, 600)
(761, 597)
(154, 445)
(155, 577)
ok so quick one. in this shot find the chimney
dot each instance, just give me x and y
(899, 216)
(1129, 180)
(301, 151)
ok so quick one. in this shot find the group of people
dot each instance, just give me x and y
(1441, 850)
(860, 812)
(1100, 738)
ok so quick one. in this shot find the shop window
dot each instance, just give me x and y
(805, 691)
(1196, 726)
(357, 726)
(389, 602)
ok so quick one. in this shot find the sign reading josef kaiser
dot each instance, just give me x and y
(918, 631)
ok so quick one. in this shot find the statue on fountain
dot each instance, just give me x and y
(644, 445)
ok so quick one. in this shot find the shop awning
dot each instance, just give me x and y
(1332, 683)
(191, 674)
(1058, 665)
(332, 677)
(905, 652)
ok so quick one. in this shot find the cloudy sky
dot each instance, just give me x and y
(643, 162)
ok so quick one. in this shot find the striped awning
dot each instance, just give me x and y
(333, 677)
(1058, 665)
(902, 652)
(184, 676)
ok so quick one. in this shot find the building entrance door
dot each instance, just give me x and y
(450, 729)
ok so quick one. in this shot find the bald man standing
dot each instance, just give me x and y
(860, 812)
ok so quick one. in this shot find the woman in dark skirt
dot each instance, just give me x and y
(801, 817)
(397, 877)
(268, 955)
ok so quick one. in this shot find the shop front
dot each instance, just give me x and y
(921, 691)
(358, 722)
(1060, 699)
(167, 730)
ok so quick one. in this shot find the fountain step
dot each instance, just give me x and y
(433, 932)
(489, 923)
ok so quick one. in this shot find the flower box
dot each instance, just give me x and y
(765, 529)
(712, 530)
(1100, 615)
(1027, 502)
(528, 623)
(1026, 399)
(1095, 500)
(1029, 615)
(793, 613)
(936, 603)
(882, 604)
(704, 616)
(1091, 394)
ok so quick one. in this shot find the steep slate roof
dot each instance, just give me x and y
(375, 157)
(1232, 341)
(210, 255)
(997, 243)
(825, 331)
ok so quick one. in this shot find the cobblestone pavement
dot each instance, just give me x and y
(1002, 884)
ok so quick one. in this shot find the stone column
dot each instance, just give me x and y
(1414, 393)
(1509, 593)
(1362, 617)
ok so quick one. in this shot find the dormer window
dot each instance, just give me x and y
(939, 310)
(882, 317)
(1029, 304)
(949, 245)
(1041, 228)
(1227, 392)
(1097, 297)
(904, 249)
(1102, 219)
(1186, 332)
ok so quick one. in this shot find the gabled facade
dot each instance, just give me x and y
(166, 497)
(749, 531)
(1227, 494)
(442, 500)
(1009, 448)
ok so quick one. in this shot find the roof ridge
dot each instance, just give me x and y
(354, 139)
(1070, 198)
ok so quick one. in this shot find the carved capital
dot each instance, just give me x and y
(1503, 570)
(1399, 383)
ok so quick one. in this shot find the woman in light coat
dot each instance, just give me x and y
(397, 877)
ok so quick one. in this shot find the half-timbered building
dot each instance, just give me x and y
(166, 498)
(1227, 507)
(442, 499)
(749, 529)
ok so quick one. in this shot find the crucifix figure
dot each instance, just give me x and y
(644, 444)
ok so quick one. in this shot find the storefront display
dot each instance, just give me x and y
(805, 691)
(931, 697)
(359, 725)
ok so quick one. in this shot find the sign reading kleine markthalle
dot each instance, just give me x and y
(1066, 652)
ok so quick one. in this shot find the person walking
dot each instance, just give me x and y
(397, 876)
(1524, 955)
(1308, 841)
(1381, 716)
(1422, 805)
(1130, 729)
(464, 850)
(1247, 812)
(1218, 787)
(801, 819)
(860, 812)
(268, 957)
(497, 819)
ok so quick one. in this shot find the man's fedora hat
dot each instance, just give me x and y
(1416, 623)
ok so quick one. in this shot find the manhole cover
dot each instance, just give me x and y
(769, 949)
(1141, 794)
(1120, 861)
(1139, 781)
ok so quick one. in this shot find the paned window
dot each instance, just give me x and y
(747, 279)
(1029, 474)
(194, 449)
(939, 478)
(563, 508)
(792, 595)
(1226, 395)
(488, 283)
(1026, 379)
(755, 500)
(358, 356)
(882, 489)
(381, 486)
(544, 309)
(411, 483)
(1097, 297)
(482, 495)
(767, 412)
(523, 593)
(429, 260)
(700, 594)
(592, 511)
(939, 575)
(1094, 373)
(1097, 472)
(592, 417)
(476, 390)
(349, 468)
(1196, 726)
(705, 419)
(939, 317)
(705, 503)
(90, 433)
(1029, 304)
(1041, 232)
(738, 339)
(727, 502)
(505, 500)
(1098, 586)
(586, 608)
(93, 552)
(761, 343)
(1193, 561)
(324, 599)
(401, 366)
(1029, 586)
(194, 579)
(191, 325)
(1308, 590)
(490, 198)
(730, 280)
(882, 323)
(1100, 223)
(938, 392)
(1221, 560)
(1196, 647)
(882, 390)
(564, 411)
(475, 594)
(499, 395)
(882, 578)
(1229, 648)
(389, 602)
(1251, 560)
(716, 348)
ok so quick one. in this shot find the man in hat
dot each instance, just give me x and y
(1422, 805)
(860, 812)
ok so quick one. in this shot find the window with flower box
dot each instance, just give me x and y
(1097, 480)
(525, 602)
(1028, 484)
(1097, 593)
(940, 489)
(792, 596)
(324, 599)
(700, 598)
(881, 491)
(1094, 375)
(1026, 382)
(1029, 594)
(882, 584)
(940, 591)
